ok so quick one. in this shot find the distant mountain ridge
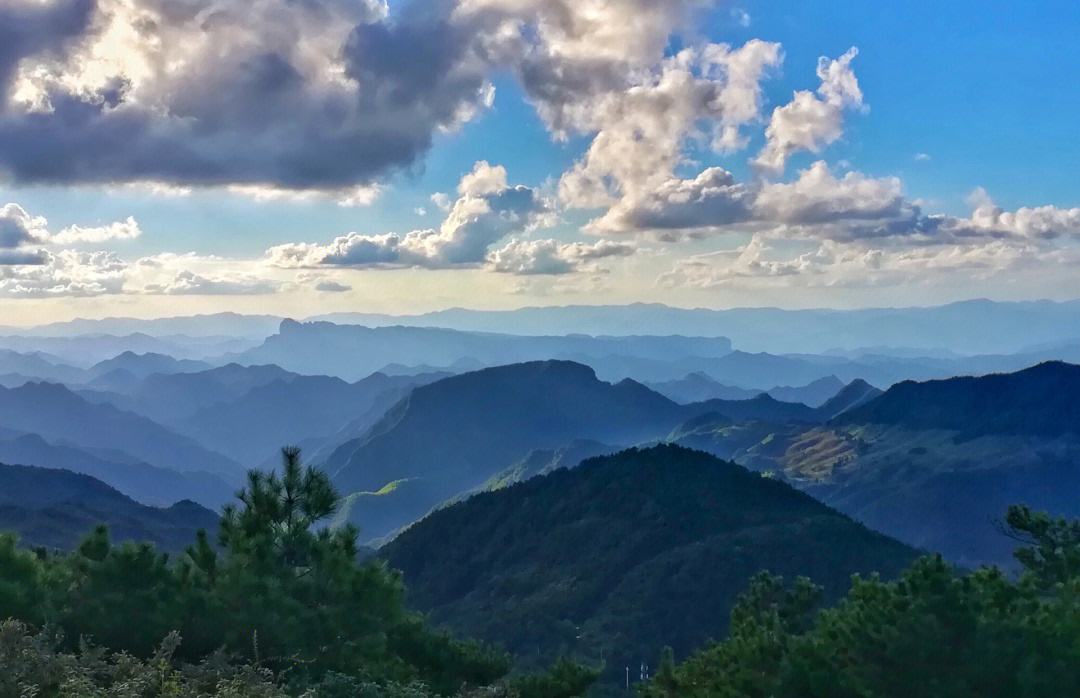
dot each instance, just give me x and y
(55, 508)
(57, 413)
(1041, 400)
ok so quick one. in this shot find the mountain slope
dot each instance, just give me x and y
(1040, 400)
(58, 414)
(764, 407)
(140, 481)
(698, 387)
(851, 395)
(255, 425)
(623, 555)
(56, 508)
(142, 365)
(813, 394)
(456, 433)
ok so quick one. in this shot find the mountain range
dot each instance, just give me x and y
(54, 508)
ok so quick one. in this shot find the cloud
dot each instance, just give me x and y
(120, 230)
(281, 96)
(988, 220)
(321, 94)
(18, 228)
(188, 283)
(346, 197)
(488, 210)
(711, 200)
(811, 121)
(526, 257)
(332, 287)
(642, 127)
(922, 157)
(23, 236)
(64, 273)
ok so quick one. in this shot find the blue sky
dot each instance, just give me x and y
(954, 96)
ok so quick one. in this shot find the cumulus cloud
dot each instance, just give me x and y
(488, 210)
(278, 96)
(120, 230)
(332, 287)
(64, 273)
(711, 200)
(321, 94)
(811, 121)
(642, 128)
(18, 228)
(527, 257)
(836, 264)
(189, 283)
(23, 236)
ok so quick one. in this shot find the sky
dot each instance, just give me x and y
(170, 157)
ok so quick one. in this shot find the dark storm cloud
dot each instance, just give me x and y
(293, 96)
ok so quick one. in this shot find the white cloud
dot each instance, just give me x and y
(18, 228)
(809, 121)
(120, 230)
(346, 197)
(527, 257)
(488, 210)
(65, 273)
(188, 283)
(24, 237)
(332, 287)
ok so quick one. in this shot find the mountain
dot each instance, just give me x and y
(1039, 401)
(56, 508)
(764, 407)
(698, 386)
(813, 394)
(143, 365)
(623, 555)
(453, 435)
(967, 327)
(140, 481)
(256, 424)
(169, 398)
(851, 395)
(933, 464)
(352, 351)
(37, 365)
(57, 414)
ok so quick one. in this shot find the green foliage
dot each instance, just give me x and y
(279, 591)
(565, 679)
(610, 561)
(934, 632)
(34, 665)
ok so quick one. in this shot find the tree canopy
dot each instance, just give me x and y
(935, 631)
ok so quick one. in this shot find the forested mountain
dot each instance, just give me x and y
(453, 435)
(57, 414)
(624, 554)
(142, 482)
(57, 508)
(934, 464)
(763, 407)
(1040, 401)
